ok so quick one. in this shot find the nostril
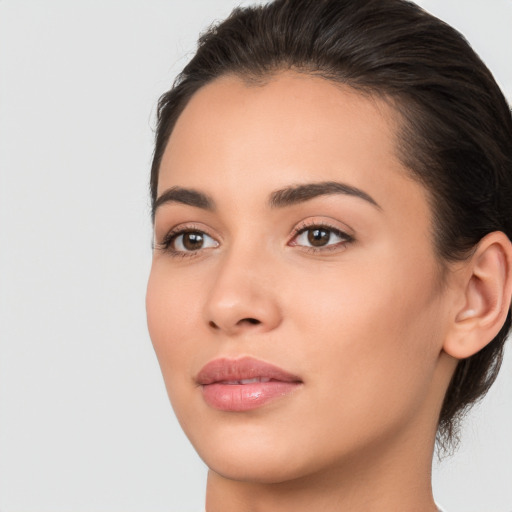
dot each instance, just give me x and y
(253, 321)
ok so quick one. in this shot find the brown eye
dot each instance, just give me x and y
(318, 237)
(191, 241)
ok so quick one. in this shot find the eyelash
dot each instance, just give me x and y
(307, 226)
(167, 243)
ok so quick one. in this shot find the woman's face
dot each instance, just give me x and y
(291, 245)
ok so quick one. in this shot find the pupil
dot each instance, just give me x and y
(318, 237)
(192, 241)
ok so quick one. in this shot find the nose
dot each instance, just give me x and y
(243, 298)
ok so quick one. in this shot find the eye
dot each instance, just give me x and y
(188, 241)
(317, 237)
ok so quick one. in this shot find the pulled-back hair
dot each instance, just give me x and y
(456, 126)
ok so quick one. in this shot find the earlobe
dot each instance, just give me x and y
(487, 290)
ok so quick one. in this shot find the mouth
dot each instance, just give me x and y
(238, 385)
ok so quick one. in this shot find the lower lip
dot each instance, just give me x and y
(245, 397)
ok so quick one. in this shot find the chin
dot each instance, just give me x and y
(258, 470)
(253, 455)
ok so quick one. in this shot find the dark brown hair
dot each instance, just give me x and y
(456, 126)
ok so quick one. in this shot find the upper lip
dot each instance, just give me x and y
(224, 370)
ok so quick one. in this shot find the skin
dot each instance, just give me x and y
(362, 321)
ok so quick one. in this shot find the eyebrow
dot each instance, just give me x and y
(300, 193)
(186, 196)
(282, 198)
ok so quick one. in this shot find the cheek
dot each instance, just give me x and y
(173, 320)
(171, 317)
(371, 332)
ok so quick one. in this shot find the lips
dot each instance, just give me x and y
(238, 385)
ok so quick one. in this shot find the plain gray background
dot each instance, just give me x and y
(85, 425)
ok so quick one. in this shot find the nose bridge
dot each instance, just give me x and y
(241, 296)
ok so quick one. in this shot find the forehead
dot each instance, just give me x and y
(235, 136)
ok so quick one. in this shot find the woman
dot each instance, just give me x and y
(331, 280)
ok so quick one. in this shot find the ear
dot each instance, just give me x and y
(484, 296)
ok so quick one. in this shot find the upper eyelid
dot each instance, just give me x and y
(174, 233)
(301, 229)
(184, 227)
(332, 225)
